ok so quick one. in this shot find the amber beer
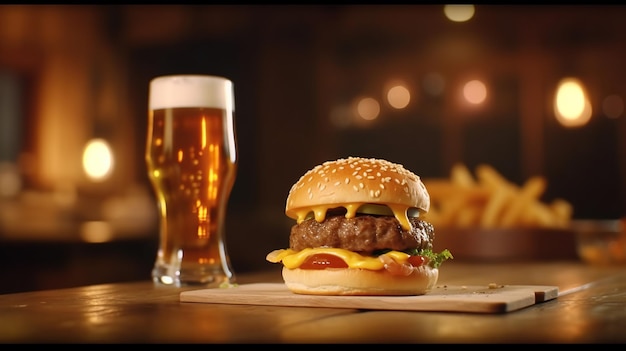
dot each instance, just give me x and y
(191, 157)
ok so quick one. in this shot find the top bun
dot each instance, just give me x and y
(355, 180)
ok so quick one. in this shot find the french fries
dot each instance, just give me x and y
(489, 200)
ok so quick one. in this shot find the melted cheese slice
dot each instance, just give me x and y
(401, 212)
(294, 259)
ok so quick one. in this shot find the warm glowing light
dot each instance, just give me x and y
(368, 108)
(613, 106)
(96, 232)
(98, 159)
(570, 100)
(459, 13)
(571, 105)
(398, 97)
(475, 92)
(433, 83)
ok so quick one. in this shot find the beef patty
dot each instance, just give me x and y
(363, 234)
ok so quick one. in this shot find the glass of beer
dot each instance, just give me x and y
(191, 159)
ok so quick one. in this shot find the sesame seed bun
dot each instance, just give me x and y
(356, 180)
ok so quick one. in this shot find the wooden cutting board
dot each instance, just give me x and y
(445, 298)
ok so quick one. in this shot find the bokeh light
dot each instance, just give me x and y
(368, 108)
(459, 13)
(571, 105)
(398, 96)
(613, 106)
(98, 159)
(475, 92)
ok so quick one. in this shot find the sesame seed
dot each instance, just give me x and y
(347, 180)
(371, 177)
(355, 188)
(361, 185)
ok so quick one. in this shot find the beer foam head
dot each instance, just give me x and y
(191, 91)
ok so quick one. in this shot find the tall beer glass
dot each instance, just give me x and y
(191, 157)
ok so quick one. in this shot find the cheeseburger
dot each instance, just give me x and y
(358, 231)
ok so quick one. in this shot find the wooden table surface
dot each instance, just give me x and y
(591, 308)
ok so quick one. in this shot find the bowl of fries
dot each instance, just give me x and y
(484, 216)
(601, 242)
(508, 245)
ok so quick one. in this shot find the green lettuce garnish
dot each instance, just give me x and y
(435, 259)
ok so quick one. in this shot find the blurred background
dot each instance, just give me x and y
(529, 90)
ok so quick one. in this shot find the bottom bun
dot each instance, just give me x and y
(348, 281)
